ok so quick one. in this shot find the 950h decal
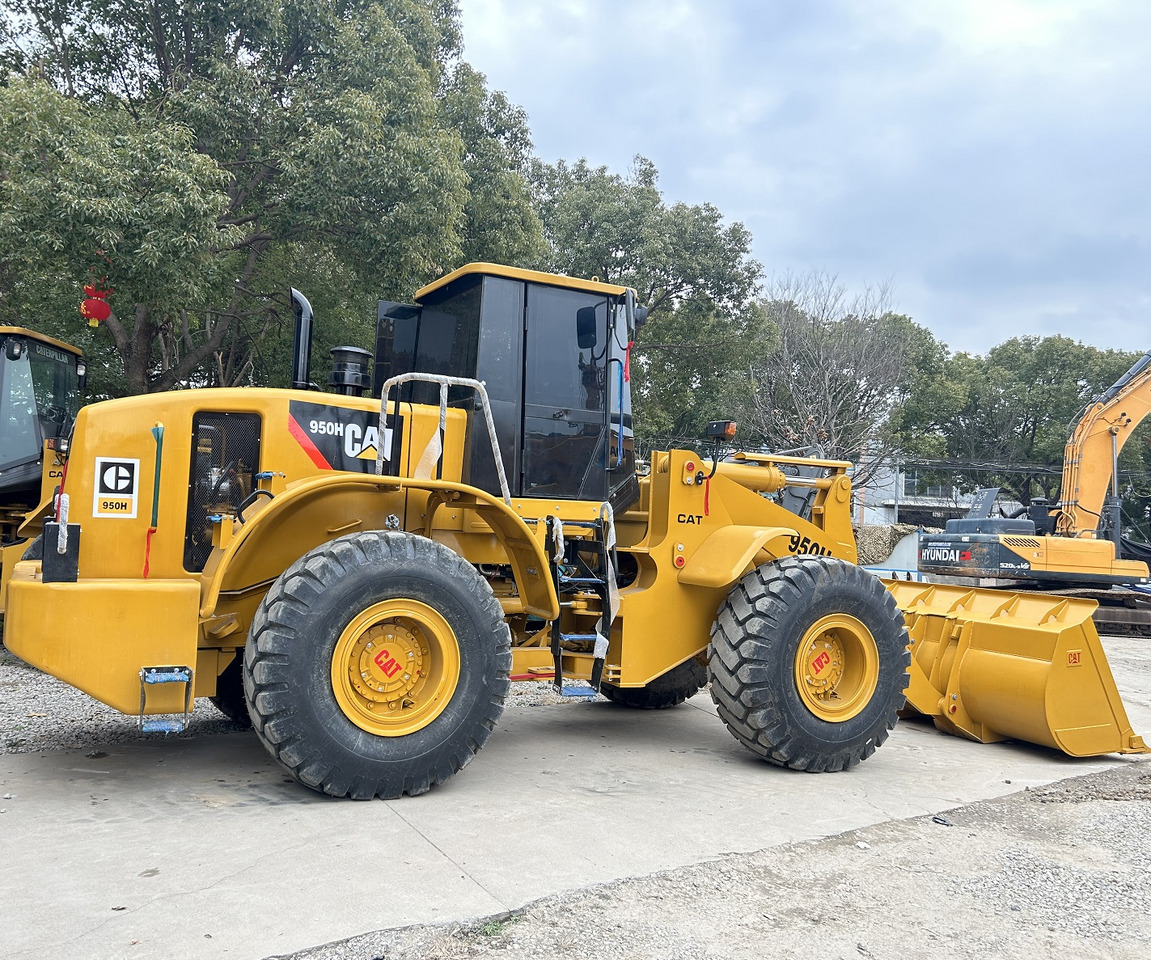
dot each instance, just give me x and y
(336, 438)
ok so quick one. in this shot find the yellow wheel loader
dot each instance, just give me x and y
(41, 385)
(364, 577)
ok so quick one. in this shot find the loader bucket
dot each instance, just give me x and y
(991, 665)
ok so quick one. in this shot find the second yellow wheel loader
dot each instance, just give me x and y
(41, 387)
(364, 577)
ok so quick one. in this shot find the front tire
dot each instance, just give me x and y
(377, 665)
(809, 663)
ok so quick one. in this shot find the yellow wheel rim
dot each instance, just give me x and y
(836, 667)
(395, 667)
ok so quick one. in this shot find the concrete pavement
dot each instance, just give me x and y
(203, 848)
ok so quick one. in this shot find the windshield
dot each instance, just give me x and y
(39, 398)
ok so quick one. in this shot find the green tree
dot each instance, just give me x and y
(1006, 416)
(320, 126)
(501, 222)
(88, 193)
(692, 270)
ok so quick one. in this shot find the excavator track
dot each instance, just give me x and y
(1121, 613)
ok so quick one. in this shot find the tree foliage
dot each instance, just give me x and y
(249, 146)
(84, 194)
(501, 221)
(1012, 408)
(693, 271)
(840, 372)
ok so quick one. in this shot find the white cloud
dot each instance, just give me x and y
(989, 155)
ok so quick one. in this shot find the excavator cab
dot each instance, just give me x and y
(554, 360)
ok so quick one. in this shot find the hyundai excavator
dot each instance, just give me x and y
(1061, 545)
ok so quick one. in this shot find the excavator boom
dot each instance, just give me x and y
(1093, 446)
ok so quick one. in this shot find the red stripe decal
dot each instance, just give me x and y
(306, 442)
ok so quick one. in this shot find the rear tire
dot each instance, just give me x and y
(229, 698)
(668, 690)
(377, 665)
(809, 663)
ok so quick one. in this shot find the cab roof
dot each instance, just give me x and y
(515, 273)
(42, 338)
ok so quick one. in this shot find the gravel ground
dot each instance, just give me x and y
(38, 712)
(1058, 871)
(1054, 872)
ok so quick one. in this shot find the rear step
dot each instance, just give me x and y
(149, 676)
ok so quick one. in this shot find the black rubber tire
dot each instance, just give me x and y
(35, 550)
(229, 698)
(755, 640)
(288, 658)
(668, 690)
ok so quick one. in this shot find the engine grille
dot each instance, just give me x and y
(225, 460)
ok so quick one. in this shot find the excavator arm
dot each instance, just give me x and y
(1093, 447)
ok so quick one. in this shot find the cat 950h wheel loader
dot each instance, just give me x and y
(364, 577)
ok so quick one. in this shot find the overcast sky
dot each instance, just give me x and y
(990, 158)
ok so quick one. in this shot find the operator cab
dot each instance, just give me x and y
(41, 384)
(552, 352)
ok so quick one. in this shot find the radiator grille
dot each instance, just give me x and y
(1028, 542)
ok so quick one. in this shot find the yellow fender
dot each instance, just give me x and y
(318, 510)
(729, 552)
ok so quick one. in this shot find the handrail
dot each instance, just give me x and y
(444, 382)
(619, 436)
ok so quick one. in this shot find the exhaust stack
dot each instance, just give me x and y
(302, 345)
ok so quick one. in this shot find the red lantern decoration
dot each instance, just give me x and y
(96, 308)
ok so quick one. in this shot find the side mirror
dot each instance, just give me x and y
(636, 315)
(585, 328)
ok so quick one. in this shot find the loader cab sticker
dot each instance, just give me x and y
(116, 488)
(336, 438)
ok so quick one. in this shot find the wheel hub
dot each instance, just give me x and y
(395, 667)
(836, 667)
(391, 659)
(824, 660)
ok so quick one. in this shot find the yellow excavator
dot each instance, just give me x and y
(362, 577)
(1059, 545)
